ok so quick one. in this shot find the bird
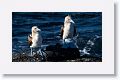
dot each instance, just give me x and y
(68, 30)
(35, 39)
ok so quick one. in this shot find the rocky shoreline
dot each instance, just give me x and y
(38, 58)
(56, 53)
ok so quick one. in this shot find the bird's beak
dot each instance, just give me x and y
(38, 29)
(72, 21)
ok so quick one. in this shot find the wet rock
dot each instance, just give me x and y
(57, 53)
(20, 58)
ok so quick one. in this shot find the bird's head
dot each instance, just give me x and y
(35, 29)
(68, 19)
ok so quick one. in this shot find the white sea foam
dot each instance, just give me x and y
(88, 46)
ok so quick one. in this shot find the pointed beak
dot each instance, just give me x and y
(72, 21)
(38, 29)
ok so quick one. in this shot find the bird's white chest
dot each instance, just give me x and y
(36, 40)
(68, 30)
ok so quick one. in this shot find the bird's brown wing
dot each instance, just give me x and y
(61, 31)
(30, 40)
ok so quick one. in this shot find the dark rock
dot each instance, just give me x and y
(57, 53)
(21, 58)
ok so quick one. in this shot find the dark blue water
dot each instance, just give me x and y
(88, 24)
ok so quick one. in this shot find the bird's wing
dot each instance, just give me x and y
(62, 30)
(30, 40)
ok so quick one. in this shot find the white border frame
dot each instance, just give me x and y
(104, 6)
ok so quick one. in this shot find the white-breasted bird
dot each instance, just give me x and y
(68, 30)
(35, 38)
